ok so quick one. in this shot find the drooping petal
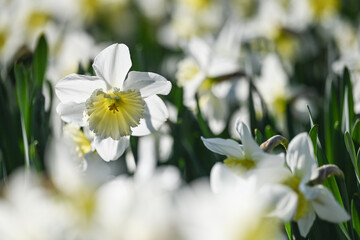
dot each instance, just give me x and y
(155, 115)
(110, 149)
(112, 64)
(266, 160)
(72, 113)
(76, 88)
(226, 147)
(300, 157)
(327, 208)
(222, 178)
(305, 223)
(148, 83)
(250, 146)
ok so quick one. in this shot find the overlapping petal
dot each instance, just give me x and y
(300, 157)
(148, 83)
(226, 147)
(155, 115)
(113, 64)
(306, 222)
(327, 208)
(110, 149)
(76, 88)
(72, 113)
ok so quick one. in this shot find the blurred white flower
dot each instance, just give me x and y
(191, 18)
(112, 107)
(198, 74)
(245, 158)
(29, 211)
(310, 199)
(274, 87)
(233, 215)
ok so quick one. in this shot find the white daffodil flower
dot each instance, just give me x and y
(198, 74)
(113, 107)
(245, 157)
(311, 199)
(237, 214)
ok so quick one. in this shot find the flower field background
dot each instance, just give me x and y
(179, 119)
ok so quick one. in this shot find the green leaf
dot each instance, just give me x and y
(313, 134)
(40, 62)
(269, 132)
(288, 230)
(351, 150)
(355, 209)
(203, 126)
(355, 131)
(310, 116)
(348, 104)
(258, 137)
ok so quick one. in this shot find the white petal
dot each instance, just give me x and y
(266, 160)
(200, 51)
(156, 114)
(222, 178)
(300, 157)
(282, 200)
(146, 158)
(190, 89)
(110, 149)
(72, 113)
(327, 208)
(148, 83)
(77, 88)
(250, 146)
(215, 111)
(305, 223)
(112, 64)
(226, 147)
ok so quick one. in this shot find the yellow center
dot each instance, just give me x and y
(245, 8)
(322, 8)
(279, 105)
(37, 20)
(197, 5)
(90, 8)
(82, 143)
(303, 204)
(207, 84)
(265, 229)
(286, 44)
(187, 70)
(3, 36)
(114, 113)
(239, 165)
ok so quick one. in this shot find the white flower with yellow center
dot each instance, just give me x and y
(310, 199)
(243, 158)
(113, 107)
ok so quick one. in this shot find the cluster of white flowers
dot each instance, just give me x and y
(247, 197)
(289, 187)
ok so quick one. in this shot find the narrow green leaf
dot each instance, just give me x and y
(355, 209)
(351, 149)
(355, 131)
(310, 116)
(203, 126)
(313, 136)
(258, 136)
(288, 230)
(40, 62)
(349, 97)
